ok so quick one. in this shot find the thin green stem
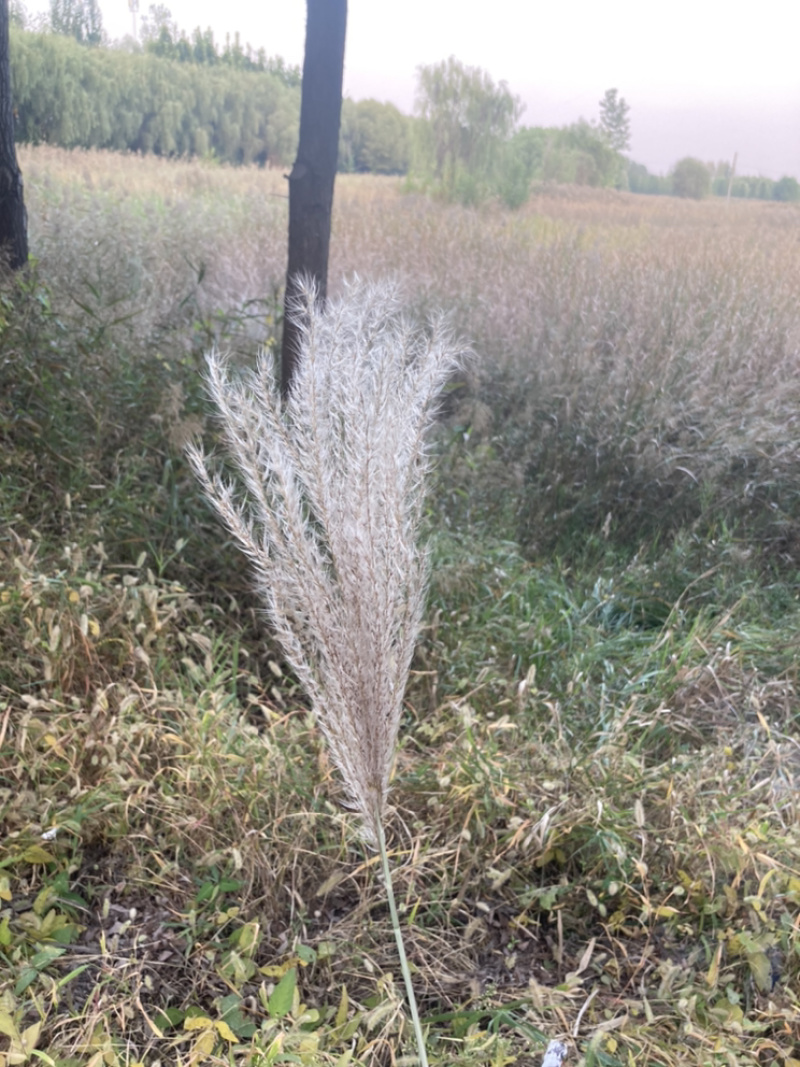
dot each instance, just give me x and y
(401, 949)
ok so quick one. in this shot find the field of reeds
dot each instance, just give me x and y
(595, 800)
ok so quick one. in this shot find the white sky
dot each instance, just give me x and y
(702, 77)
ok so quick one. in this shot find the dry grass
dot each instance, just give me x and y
(595, 825)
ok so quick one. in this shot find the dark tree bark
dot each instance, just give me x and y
(314, 170)
(13, 217)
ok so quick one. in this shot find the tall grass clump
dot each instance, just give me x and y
(334, 487)
(638, 362)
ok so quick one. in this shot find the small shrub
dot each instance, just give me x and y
(691, 179)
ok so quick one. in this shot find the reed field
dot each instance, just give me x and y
(595, 804)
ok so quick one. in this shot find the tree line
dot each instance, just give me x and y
(74, 96)
(149, 101)
(692, 178)
(173, 93)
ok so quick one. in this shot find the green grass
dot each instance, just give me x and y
(595, 830)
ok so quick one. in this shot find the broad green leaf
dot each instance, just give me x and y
(352, 1027)
(282, 998)
(761, 970)
(43, 899)
(27, 975)
(306, 954)
(167, 1017)
(45, 956)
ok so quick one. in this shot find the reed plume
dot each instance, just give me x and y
(330, 515)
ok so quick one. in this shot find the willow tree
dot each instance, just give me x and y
(13, 218)
(466, 121)
(314, 171)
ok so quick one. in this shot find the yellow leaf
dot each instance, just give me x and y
(94, 627)
(762, 885)
(74, 597)
(53, 742)
(198, 1022)
(8, 1026)
(205, 1043)
(341, 1014)
(5, 887)
(174, 740)
(37, 854)
(276, 970)
(309, 1043)
(713, 971)
(225, 1031)
(30, 1037)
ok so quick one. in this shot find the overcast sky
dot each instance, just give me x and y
(702, 77)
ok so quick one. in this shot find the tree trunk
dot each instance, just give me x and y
(13, 217)
(312, 177)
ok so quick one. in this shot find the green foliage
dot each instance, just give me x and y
(579, 154)
(162, 37)
(177, 882)
(374, 137)
(692, 183)
(786, 189)
(691, 179)
(640, 180)
(80, 19)
(464, 120)
(576, 155)
(614, 122)
(104, 98)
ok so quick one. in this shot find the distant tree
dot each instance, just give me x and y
(586, 154)
(73, 96)
(614, 121)
(80, 19)
(314, 172)
(691, 179)
(161, 37)
(521, 161)
(158, 17)
(465, 119)
(786, 189)
(640, 180)
(13, 217)
(374, 138)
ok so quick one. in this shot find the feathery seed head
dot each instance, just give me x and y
(330, 515)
